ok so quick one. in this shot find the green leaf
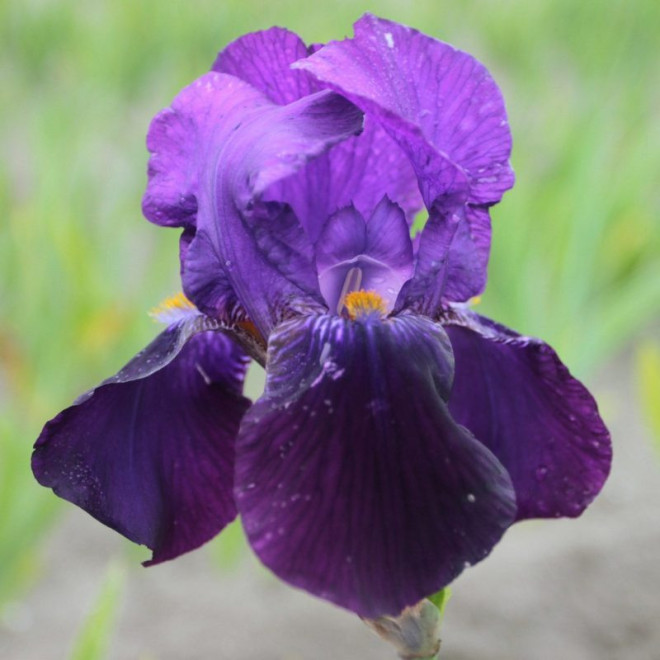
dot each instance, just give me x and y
(440, 600)
(93, 638)
(229, 546)
(648, 383)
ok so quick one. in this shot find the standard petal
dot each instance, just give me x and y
(150, 452)
(359, 171)
(467, 260)
(181, 148)
(258, 246)
(352, 479)
(215, 153)
(452, 259)
(204, 280)
(264, 60)
(518, 398)
(418, 86)
(446, 113)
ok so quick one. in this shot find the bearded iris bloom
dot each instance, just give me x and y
(399, 434)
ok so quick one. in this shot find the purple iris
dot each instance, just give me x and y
(400, 433)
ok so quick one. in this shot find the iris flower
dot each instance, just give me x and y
(399, 433)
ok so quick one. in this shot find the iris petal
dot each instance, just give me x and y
(214, 155)
(150, 452)
(344, 236)
(358, 171)
(263, 59)
(447, 114)
(181, 145)
(518, 398)
(419, 87)
(468, 256)
(380, 250)
(259, 246)
(388, 237)
(352, 479)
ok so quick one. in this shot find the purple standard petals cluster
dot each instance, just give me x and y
(399, 434)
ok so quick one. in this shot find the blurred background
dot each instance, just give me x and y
(576, 261)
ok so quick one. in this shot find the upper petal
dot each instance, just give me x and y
(260, 245)
(224, 144)
(352, 479)
(447, 114)
(452, 258)
(518, 398)
(150, 452)
(264, 60)
(467, 259)
(179, 140)
(418, 87)
(358, 171)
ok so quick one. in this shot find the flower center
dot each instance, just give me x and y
(361, 304)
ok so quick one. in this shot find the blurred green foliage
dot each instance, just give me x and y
(94, 636)
(647, 359)
(576, 243)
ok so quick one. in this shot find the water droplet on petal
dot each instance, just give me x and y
(576, 506)
(471, 498)
(541, 473)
